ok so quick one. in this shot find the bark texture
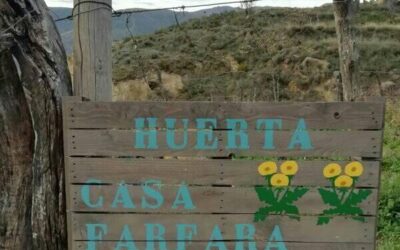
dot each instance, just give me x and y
(33, 78)
(344, 11)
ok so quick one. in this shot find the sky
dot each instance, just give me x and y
(149, 4)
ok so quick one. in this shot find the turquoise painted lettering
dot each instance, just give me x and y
(238, 128)
(301, 137)
(126, 241)
(155, 234)
(269, 126)
(205, 134)
(245, 236)
(171, 134)
(183, 198)
(150, 133)
(85, 195)
(216, 240)
(275, 241)
(95, 232)
(185, 233)
(122, 197)
(151, 192)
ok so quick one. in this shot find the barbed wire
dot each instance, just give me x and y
(70, 17)
(133, 11)
(183, 7)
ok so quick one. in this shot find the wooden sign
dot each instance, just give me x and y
(222, 176)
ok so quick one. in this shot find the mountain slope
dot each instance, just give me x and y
(139, 24)
(274, 53)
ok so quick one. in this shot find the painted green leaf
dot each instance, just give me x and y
(322, 220)
(327, 216)
(278, 208)
(292, 196)
(261, 214)
(329, 197)
(357, 198)
(332, 211)
(265, 194)
(346, 210)
(291, 209)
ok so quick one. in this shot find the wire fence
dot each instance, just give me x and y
(242, 83)
(141, 62)
(136, 11)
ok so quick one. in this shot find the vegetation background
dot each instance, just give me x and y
(271, 54)
(389, 204)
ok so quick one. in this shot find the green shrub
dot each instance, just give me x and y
(389, 203)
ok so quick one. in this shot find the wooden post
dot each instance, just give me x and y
(343, 10)
(92, 49)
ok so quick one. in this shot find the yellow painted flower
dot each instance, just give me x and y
(267, 168)
(279, 180)
(354, 169)
(332, 170)
(289, 168)
(343, 181)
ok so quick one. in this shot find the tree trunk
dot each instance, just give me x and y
(344, 10)
(33, 78)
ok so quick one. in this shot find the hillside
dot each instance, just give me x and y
(271, 54)
(140, 24)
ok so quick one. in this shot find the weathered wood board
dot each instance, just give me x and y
(357, 116)
(107, 245)
(305, 230)
(120, 143)
(211, 172)
(210, 200)
(199, 175)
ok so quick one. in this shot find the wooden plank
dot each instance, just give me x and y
(65, 112)
(230, 200)
(383, 100)
(107, 245)
(99, 134)
(325, 144)
(362, 115)
(340, 229)
(202, 172)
